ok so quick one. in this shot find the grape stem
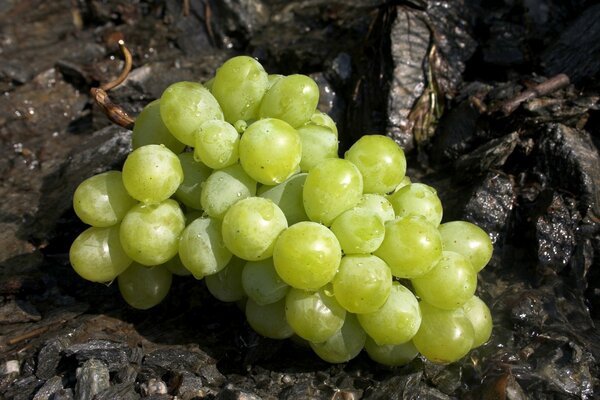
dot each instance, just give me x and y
(114, 112)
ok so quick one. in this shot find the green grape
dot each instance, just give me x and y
(269, 319)
(150, 233)
(288, 196)
(152, 173)
(417, 199)
(307, 255)
(194, 174)
(226, 284)
(144, 287)
(224, 188)
(240, 127)
(201, 247)
(411, 246)
(274, 78)
(176, 267)
(380, 161)
(321, 119)
(392, 355)
(445, 336)
(97, 255)
(331, 187)
(185, 106)
(270, 151)
(150, 129)
(343, 345)
(378, 204)
(469, 240)
(293, 98)
(217, 144)
(251, 226)
(318, 144)
(261, 282)
(449, 284)
(481, 319)
(362, 283)
(359, 231)
(314, 316)
(397, 321)
(102, 200)
(209, 83)
(239, 86)
(405, 182)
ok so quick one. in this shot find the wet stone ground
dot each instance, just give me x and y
(473, 92)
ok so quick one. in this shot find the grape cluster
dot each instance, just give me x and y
(238, 182)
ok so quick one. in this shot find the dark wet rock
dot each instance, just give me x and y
(555, 233)
(178, 359)
(404, 386)
(187, 385)
(49, 357)
(231, 393)
(234, 21)
(154, 386)
(92, 378)
(51, 386)
(65, 394)
(490, 156)
(302, 390)
(491, 205)
(120, 391)
(17, 310)
(127, 374)
(571, 162)
(577, 50)
(114, 355)
(23, 389)
(507, 44)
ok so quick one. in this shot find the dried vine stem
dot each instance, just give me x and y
(114, 112)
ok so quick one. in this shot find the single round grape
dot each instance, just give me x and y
(201, 247)
(380, 161)
(378, 204)
(97, 255)
(194, 175)
(262, 283)
(469, 240)
(144, 287)
(102, 200)
(239, 86)
(288, 196)
(321, 119)
(359, 231)
(343, 345)
(314, 316)
(392, 355)
(445, 336)
(411, 246)
(293, 98)
(331, 187)
(217, 144)
(307, 255)
(362, 283)
(270, 151)
(150, 129)
(449, 284)
(397, 321)
(269, 319)
(481, 318)
(226, 285)
(318, 144)
(251, 226)
(225, 187)
(417, 199)
(150, 233)
(152, 173)
(185, 106)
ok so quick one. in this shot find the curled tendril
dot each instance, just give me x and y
(114, 112)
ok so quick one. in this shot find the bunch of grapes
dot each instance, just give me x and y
(238, 182)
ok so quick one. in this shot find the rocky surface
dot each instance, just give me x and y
(437, 76)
